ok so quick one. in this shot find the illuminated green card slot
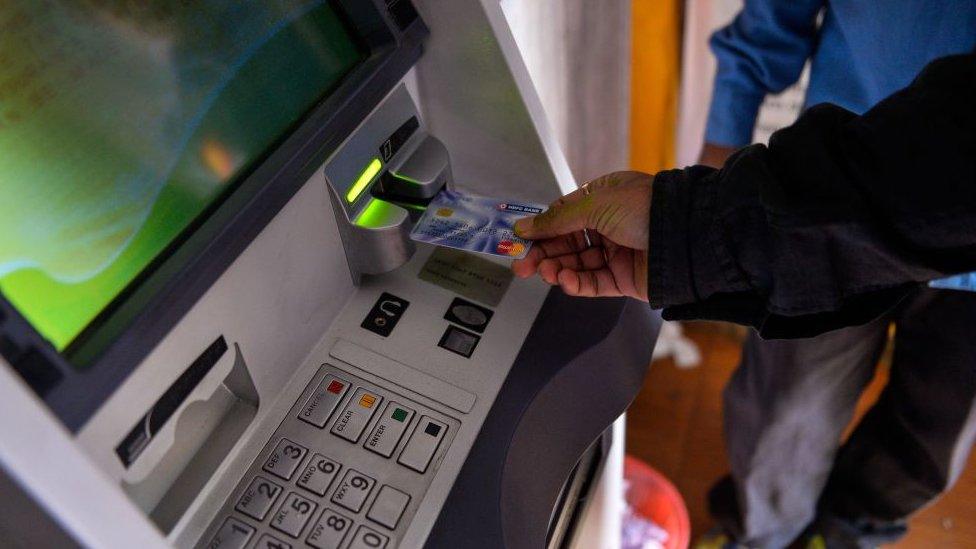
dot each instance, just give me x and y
(378, 213)
(363, 180)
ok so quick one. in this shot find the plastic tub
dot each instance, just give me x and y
(653, 497)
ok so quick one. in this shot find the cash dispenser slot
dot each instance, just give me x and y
(177, 445)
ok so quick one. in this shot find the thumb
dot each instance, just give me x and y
(558, 220)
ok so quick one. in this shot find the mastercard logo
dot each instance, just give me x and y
(507, 247)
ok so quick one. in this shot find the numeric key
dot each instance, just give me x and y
(285, 458)
(233, 534)
(318, 474)
(367, 538)
(330, 530)
(257, 500)
(293, 514)
(268, 541)
(353, 490)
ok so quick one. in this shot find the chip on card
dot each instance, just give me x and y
(475, 224)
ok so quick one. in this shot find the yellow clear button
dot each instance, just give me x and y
(351, 422)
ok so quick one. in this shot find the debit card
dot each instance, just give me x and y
(474, 223)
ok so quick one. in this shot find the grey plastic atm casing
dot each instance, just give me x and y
(559, 397)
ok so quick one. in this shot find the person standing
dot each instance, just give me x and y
(789, 401)
(840, 221)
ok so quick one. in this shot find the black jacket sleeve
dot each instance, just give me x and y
(832, 223)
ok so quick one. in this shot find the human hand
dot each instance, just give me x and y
(715, 156)
(613, 211)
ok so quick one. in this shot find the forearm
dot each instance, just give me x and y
(832, 223)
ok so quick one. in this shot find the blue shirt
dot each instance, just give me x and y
(864, 51)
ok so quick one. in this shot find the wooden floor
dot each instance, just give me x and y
(676, 425)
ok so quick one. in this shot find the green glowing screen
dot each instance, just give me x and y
(121, 121)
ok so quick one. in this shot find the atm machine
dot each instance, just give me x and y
(214, 329)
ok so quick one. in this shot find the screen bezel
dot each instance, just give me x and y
(75, 382)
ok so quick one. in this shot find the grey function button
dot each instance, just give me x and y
(285, 458)
(293, 514)
(329, 531)
(354, 417)
(318, 474)
(353, 490)
(268, 541)
(389, 429)
(424, 441)
(257, 500)
(234, 534)
(388, 507)
(367, 538)
(469, 315)
(323, 401)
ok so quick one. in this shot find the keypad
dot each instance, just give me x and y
(310, 487)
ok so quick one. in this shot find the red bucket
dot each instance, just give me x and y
(653, 497)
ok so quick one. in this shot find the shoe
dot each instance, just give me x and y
(716, 539)
(815, 541)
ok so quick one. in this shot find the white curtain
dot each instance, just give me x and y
(578, 55)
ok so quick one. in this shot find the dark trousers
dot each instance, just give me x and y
(789, 401)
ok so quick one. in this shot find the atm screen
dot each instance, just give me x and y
(124, 121)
